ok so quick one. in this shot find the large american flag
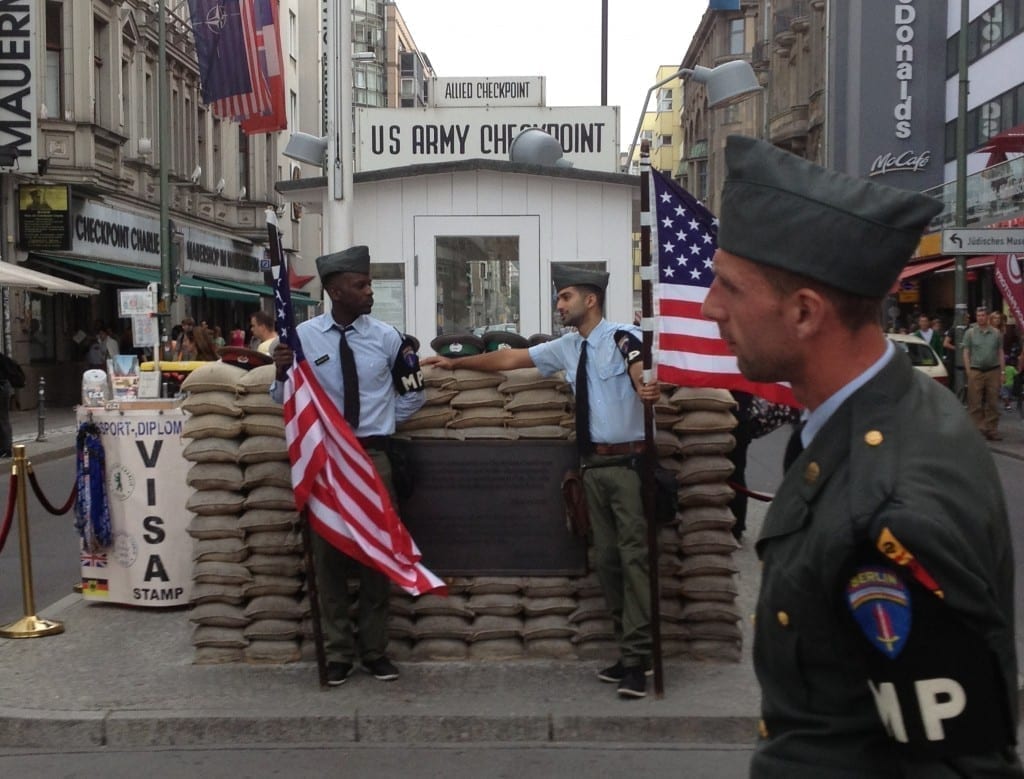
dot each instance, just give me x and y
(227, 52)
(334, 480)
(690, 351)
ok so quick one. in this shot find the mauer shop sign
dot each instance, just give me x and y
(395, 137)
(17, 81)
(487, 91)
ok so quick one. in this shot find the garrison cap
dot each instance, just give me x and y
(457, 345)
(784, 211)
(571, 276)
(355, 259)
(500, 339)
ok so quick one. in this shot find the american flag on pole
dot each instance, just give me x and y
(334, 479)
(691, 353)
(226, 49)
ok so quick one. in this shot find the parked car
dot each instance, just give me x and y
(922, 356)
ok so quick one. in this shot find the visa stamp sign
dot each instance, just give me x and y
(486, 91)
(396, 137)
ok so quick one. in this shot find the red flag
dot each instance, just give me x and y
(690, 350)
(1010, 279)
(270, 59)
(334, 478)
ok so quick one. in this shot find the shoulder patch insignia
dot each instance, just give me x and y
(891, 547)
(880, 602)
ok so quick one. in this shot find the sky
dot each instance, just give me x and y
(561, 40)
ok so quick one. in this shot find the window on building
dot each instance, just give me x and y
(477, 283)
(53, 89)
(664, 100)
(989, 31)
(126, 92)
(737, 36)
(293, 35)
(217, 159)
(293, 109)
(101, 108)
(731, 113)
(244, 169)
(664, 140)
(148, 123)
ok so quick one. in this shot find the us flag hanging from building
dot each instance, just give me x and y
(233, 84)
(690, 351)
(334, 480)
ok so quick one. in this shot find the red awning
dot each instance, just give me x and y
(1007, 142)
(923, 267)
(980, 261)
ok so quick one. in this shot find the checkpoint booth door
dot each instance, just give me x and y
(477, 273)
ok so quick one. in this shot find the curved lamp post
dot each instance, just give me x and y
(725, 83)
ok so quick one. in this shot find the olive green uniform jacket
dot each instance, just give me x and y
(899, 485)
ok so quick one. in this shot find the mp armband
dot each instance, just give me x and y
(406, 373)
(629, 345)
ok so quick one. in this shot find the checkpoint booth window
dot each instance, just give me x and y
(389, 293)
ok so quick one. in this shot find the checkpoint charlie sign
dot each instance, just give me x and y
(486, 91)
(396, 137)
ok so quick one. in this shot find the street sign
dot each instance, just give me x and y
(982, 241)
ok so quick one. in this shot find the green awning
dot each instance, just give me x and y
(190, 285)
(265, 291)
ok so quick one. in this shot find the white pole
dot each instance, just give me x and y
(337, 208)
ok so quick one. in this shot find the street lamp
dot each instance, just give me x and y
(725, 83)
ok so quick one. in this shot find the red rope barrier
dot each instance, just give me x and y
(12, 494)
(762, 496)
(46, 504)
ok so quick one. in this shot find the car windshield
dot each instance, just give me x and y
(920, 354)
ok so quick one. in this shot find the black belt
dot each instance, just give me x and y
(374, 441)
(984, 370)
(619, 450)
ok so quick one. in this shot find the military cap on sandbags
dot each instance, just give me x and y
(243, 358)
(457, 345)
(539, 338)
(784, 211)
(500, 339)
(564, 275)
(355, 259)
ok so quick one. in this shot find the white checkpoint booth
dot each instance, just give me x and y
(149, 563)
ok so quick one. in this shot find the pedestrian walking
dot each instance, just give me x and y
(884, 630)
(985, 364)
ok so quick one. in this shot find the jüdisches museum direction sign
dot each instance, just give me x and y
(396, 137)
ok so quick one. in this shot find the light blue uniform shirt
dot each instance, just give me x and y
(375, 345)
(817, 418)
(616, 413)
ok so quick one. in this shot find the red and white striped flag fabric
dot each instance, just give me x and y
(690, 350)
(334, 479)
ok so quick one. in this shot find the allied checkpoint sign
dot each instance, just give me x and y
(397, 137)
(150, 561)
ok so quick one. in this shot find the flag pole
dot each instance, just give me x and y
(650, 453)
(277, 262)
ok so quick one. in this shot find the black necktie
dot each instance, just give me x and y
(794, 447)
(583, 441)
(350, 380)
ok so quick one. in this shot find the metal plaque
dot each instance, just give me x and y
(493, 508)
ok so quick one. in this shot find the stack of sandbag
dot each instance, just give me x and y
(248, 603)
(463, 404)
(697, 572)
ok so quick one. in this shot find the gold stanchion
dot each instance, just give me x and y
(29, 626)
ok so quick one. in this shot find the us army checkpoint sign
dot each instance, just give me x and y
(150, 560)
(983, 241)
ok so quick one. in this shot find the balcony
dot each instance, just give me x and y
(783, 29)
(801, 18)
(788, 125)
(994, 195)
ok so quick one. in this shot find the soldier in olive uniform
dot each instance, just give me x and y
(884, 632)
